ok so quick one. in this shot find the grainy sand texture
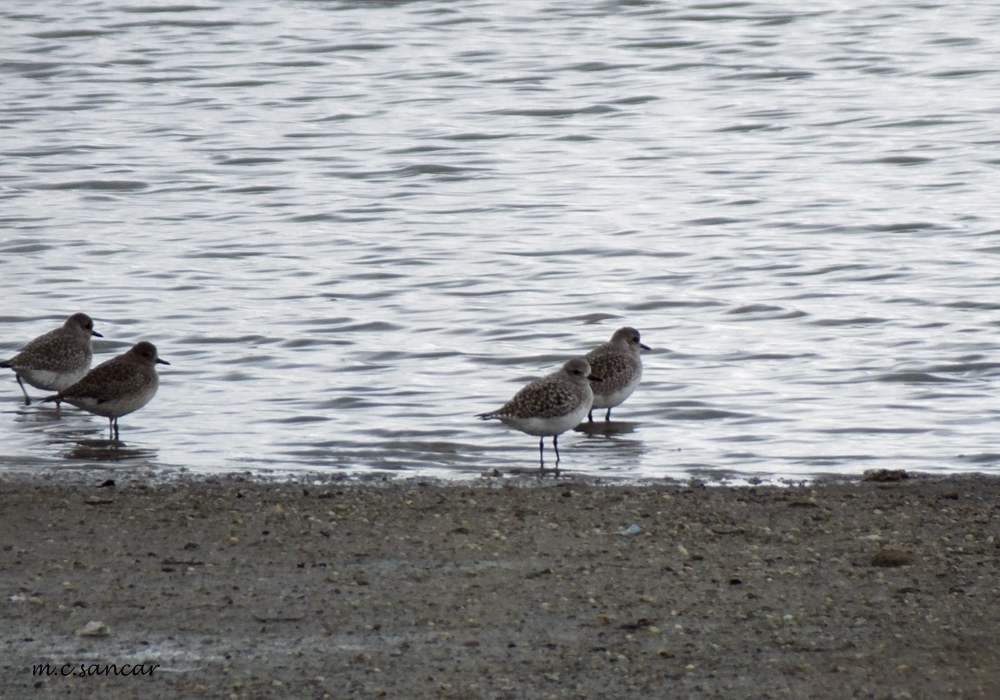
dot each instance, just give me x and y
(510, 587)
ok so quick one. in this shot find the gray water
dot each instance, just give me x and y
(350, 226)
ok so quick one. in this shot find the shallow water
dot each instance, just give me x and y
(350, 226)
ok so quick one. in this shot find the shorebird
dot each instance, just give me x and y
(117, 387)
(57, 359)
(550, 405)
(618, 363)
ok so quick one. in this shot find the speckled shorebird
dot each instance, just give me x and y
(550, 405)
(57, 359)
(117, 387)
(619, 365)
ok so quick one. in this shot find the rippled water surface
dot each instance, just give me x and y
(350, 226)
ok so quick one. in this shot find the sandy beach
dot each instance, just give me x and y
(513, 587)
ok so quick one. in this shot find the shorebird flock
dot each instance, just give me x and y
(603, 378)
(59, 361)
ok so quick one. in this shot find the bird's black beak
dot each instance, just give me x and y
(644, 346)
(161, 361)
(95, 333)
(595, 378)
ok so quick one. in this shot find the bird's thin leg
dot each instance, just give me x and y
(541, 453)
(27, 399)
(607, 417)
(590, 416)
(116, 430)
(555, 444)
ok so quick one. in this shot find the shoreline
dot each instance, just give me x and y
(515, 588)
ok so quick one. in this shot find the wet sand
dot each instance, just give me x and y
(509, 587)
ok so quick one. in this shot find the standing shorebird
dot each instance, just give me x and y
(619, 365)
(57, 359)
(550, 405)
(117, 387)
